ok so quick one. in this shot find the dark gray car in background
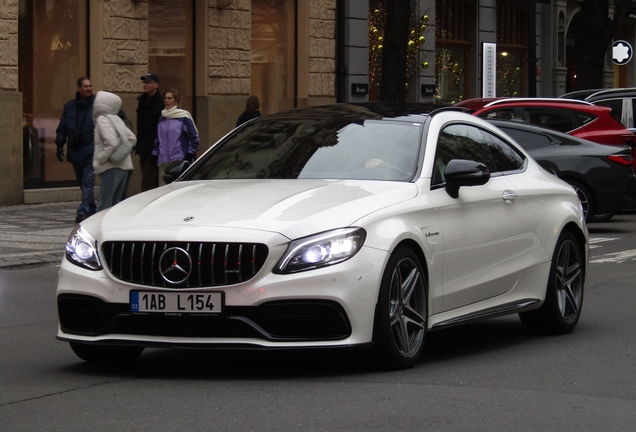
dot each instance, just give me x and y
(602, 175)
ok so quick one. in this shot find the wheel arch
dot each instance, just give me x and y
(581, 240)
(592, 198)
(415, 247)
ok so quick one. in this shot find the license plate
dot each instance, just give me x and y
(171, 302)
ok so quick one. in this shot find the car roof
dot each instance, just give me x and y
(611, 93)
(475, 103)
(579, 94)
(405, 111)
(517, 124)
(538, 101)
(521, 125)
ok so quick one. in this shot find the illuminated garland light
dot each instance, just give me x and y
(376, 42)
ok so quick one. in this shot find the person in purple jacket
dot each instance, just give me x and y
(177, 135)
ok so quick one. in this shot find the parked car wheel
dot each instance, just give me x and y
(561, 309)
(105, 354)
(401, 313)
(602, 218)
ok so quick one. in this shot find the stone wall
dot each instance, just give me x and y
(229, 24)
(229, 33)
(322, 48)
(9, 44)
(11, 102)
(125, 43)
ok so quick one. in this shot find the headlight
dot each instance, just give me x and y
(81, 249)
(321, 250)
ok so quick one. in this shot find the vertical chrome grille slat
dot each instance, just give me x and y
(188, 250)
(240, 261)
(253, 260)
(199, 259)
(132, 256)
(112, 258)
(165, 247)
(121, 261)
(152, 264)
(141, 266)
(212, 262)
(227, 251)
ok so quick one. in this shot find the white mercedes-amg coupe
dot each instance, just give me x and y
(349, 225)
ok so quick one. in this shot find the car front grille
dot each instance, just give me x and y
(183, 264)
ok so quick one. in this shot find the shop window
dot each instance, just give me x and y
(452, 51)
(273, 54)
(51, 57)
(170, 47)
(512, 35)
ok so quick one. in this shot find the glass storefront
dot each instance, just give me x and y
(170, 47)
(273, 54)
(509, 73)
(51, 59)
(452, 51)
(450, 75)
(512, 35)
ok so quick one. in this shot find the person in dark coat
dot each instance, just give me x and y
(76, 129)
(148, 113)
(251, 110)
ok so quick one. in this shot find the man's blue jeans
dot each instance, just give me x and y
(85, 175)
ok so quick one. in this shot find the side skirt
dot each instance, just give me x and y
(505, 309)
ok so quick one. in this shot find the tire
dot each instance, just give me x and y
(561, 309)
(401, 312)
(586, 199)
(602, 218)
(106, 354)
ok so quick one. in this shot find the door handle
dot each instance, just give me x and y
(509, 196)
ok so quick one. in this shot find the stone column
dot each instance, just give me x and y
(322, 52)
(355, 43)
(11, 180)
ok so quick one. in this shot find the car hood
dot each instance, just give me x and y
(293, 208)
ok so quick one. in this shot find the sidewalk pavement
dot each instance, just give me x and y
(35, 234)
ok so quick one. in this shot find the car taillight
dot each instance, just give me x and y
(630, 139)
(621, 159)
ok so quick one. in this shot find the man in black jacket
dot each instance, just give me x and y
(76, 127)
(148, 113)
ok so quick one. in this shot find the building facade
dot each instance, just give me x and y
(289, 53)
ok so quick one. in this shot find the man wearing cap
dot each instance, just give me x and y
(148, 113)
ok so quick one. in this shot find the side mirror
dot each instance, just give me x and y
(174, 170)
(460, 172)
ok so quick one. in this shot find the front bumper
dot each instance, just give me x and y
(332, 306)
(287, 320)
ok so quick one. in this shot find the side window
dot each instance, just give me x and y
(502, 113)
(553, 118)
(615, 104)
(505, 157)
(528, 140)
(470, 143)
(586, 118)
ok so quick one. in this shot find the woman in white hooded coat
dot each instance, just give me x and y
(112, 178)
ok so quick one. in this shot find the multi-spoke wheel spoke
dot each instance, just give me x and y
(407, 308)
(569, 281)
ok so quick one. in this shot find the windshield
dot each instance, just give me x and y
(314, 148)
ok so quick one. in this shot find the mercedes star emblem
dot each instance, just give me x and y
(175, 265)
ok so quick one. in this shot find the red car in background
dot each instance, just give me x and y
(574, 117)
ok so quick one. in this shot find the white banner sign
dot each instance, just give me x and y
(489, 71)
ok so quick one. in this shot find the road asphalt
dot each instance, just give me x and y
(35, 234)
